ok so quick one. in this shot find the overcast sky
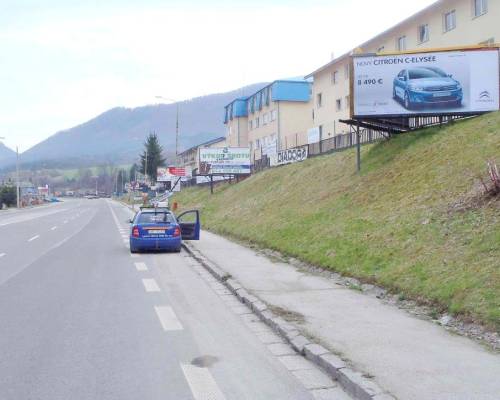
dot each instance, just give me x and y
(63, 62)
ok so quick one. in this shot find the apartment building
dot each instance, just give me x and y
(444, 24)
(189, 158)
(236, 121)
(276, 117)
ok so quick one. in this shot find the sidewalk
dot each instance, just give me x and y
(411, 358)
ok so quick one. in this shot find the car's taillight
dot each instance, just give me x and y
(135, 231)
(177, 232)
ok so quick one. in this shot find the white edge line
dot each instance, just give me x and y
(168, 319)
(202, 383)
(33, 238)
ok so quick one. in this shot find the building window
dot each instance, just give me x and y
(250, 125)
(257, 144)
(319, 100)
(273, 115)
(450, 21)
(338, 104)
(265, 119)
(423, 33)
(346, 71)
(480, 7)
(335, 77)
(257, 122)
(401, 43)
(347, 102)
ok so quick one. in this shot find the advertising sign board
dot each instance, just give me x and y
(313, 135)
(450, 82)
(224, 160)
(290, 156)
(162, 174)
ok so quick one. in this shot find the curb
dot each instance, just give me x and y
(353, 382)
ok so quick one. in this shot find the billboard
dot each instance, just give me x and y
(289, 156)
(224, 160)
(450, 82)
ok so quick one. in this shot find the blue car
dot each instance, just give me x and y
(159, 229)
(425, 86)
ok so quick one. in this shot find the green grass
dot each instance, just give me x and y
(394, 225)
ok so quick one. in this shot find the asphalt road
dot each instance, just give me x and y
(81, 318)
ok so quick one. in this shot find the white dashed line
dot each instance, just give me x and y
(53, 228)
(202, 383)
(150, 285)
(2, 255)
(168, 319)
(141, 266)
(33, 238)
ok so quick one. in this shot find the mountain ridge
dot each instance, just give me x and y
(117, 135)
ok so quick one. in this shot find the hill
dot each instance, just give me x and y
(117, 135)
(7, 155)
(415, 221)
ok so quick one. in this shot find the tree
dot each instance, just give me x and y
(8, 195)
(152, 156)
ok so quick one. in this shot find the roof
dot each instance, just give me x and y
(364, 44)
(208, 143)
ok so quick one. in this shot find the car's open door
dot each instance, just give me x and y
(189, 221)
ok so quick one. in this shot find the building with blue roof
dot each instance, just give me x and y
(275, 117)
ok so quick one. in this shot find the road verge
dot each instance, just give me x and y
(353, 382)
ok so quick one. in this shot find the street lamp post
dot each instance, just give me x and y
(176, 125)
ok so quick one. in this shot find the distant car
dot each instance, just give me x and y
(159, 229)
(425, 86)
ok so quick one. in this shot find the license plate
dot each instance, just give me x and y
(442, 94)
(156, 232)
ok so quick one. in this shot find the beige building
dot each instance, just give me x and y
(444, 24)
(190, 157)
(274, 118)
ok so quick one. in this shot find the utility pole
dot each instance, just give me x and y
(177, 135)
(18, 189)
(176, 126)
(146, 166)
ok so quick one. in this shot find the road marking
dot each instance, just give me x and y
(53, 228)
(168, 319)
(33, 238)
(2, 255)
(141, 266)
(202, 383)
(150, 285)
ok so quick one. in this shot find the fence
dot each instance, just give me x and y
(330, 145)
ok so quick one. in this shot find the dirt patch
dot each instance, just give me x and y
(287, 315)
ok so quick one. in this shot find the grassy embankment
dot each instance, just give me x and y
(414, 221)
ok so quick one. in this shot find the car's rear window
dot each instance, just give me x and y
(155, 218)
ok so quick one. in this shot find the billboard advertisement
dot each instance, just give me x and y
(289, 156)
(450, 82)
(224, 160)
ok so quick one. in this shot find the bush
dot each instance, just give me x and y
(8, 195)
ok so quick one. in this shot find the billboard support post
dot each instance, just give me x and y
(211, 184)
(358, 149)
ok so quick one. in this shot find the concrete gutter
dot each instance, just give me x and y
(353, 382)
